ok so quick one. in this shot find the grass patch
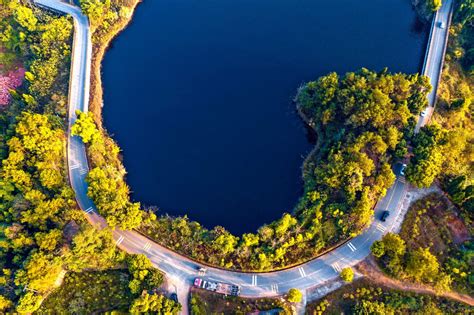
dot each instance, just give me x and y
(90, 292)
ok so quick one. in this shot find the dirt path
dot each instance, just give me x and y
(371, 271)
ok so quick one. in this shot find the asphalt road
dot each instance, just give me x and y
(181, 270)
(434, 56)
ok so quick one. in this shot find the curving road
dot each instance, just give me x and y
(182, 270)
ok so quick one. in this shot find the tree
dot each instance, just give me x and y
(434, 5)
(26, 18)
(5, 303)
(145, 276)
(92, 248)
(294, 296)
(85, 127)
(48, 240)
(110, 194)
(393, 244)
(29, 303)
(40, 272)
(422, 265)
(347, 274)
(154, 304)
(378, 249)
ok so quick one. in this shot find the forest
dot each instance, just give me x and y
(43, 234)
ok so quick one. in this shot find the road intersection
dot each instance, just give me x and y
(183, 270)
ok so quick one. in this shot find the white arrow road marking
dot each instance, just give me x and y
(336, 267)
(147, 246)
(120, 240)
(302, 272)
(380, 227)
(254, 280)
(89, 210)
(351, 246)
(274, 287)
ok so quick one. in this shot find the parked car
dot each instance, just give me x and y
(402, 169)
(174, 297)
(384, 216)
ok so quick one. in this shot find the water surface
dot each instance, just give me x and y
(198, 95)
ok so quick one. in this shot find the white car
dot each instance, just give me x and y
(442, 25)
(423, 113)
(402, 169)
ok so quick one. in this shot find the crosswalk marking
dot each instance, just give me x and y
(89, 210)
(73, 167)
(351, 246)
(83, 171)
(254, 280)
(336, 267)
(120, 240)
(302, 272)
(274, 287)
(380, 227)
(147, 246)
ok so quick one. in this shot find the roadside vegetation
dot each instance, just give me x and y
(135, 290)
(433, 247)
(43, 235)
(204, 302)
(426, 8)
(364, 297)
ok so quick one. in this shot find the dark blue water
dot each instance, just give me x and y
(198, 95)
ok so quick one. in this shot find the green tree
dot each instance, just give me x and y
(347, 274)
(154, 304)
(29, 303)
(85, 127)
(422, 265)
(378, 249)
(5, 304)
(294, 296)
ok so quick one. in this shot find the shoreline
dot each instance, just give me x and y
(96, 97)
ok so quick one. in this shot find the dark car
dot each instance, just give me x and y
(384, 216)
(174, 297)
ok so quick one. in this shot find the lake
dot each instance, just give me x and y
(198, 94)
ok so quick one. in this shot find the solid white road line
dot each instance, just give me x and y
(351, 246)
(336, 267)
(302, 272)
(120, 240)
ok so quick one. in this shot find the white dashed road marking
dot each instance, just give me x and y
(89, 210)
(73, 167)
(147, 247)
(302, 272)
(352, 247)
(274, 288)
(336, 267)
(83, 171)
(254, 280)
(380, 227)
(120, 240)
